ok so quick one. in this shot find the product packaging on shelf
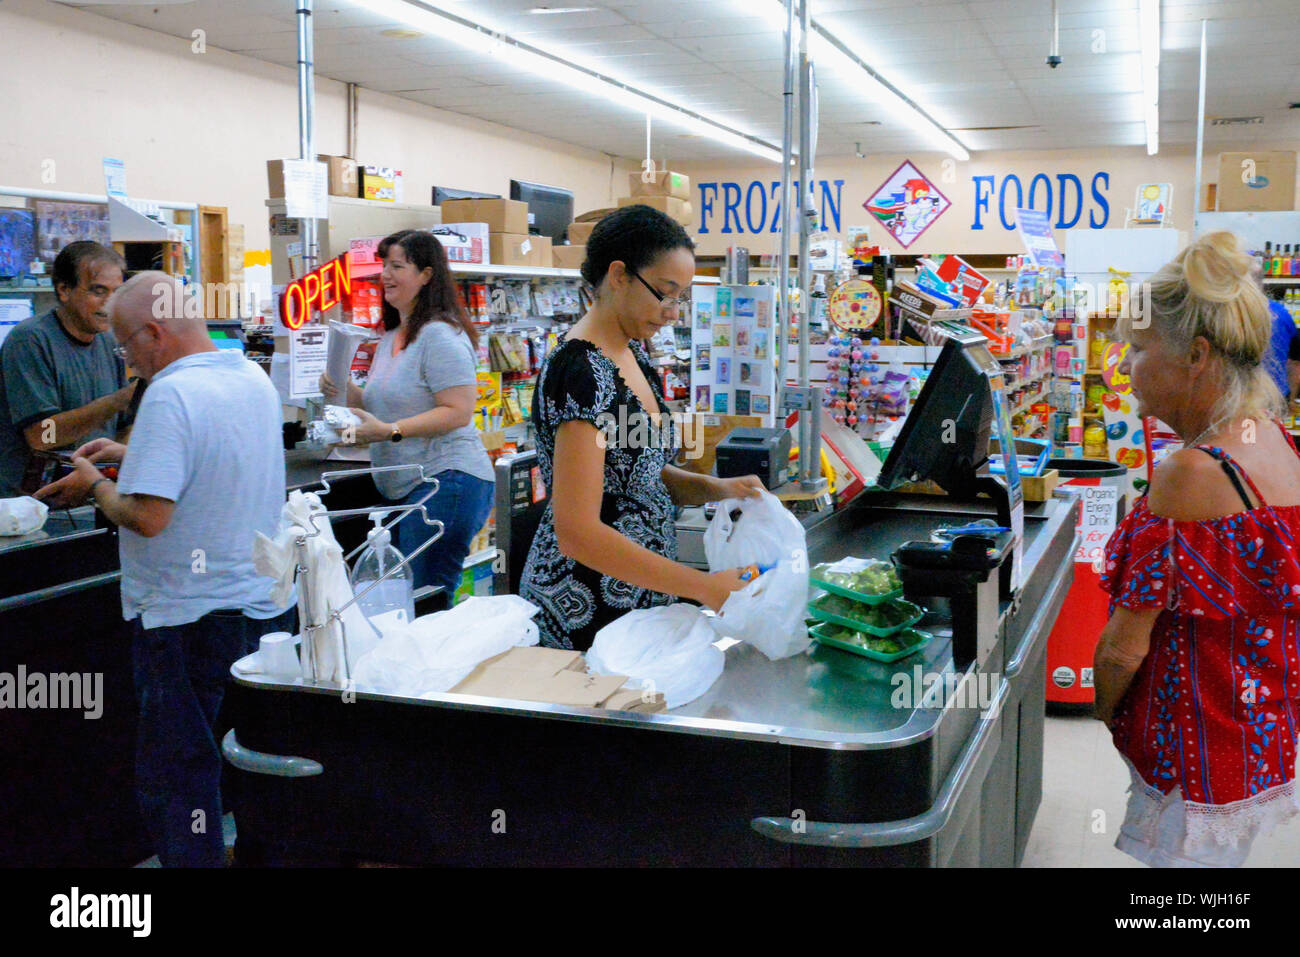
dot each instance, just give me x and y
(383, 183)
(464, 242)
(501, 215)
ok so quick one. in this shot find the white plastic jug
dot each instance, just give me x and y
(395, 593)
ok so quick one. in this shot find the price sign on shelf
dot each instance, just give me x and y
(1100, 505)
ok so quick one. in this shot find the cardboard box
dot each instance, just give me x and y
(464, 242)
(519, 249)
(568, 257)
(1272, 187)
(342, 173)
(579, 233)
(665, 183)
(673, 207)
(593, 215)
(501, 215)
(382, 183)
(554, 676)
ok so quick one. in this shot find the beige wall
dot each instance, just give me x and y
(200, 127)
(953, 231)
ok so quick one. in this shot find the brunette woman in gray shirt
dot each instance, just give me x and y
(418, 406)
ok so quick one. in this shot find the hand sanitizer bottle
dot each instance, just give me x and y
(395, 593)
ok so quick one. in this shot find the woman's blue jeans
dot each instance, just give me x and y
(462, 504)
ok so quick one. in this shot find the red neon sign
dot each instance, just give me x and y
(317, 291)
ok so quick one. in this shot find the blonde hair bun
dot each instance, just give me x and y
(1216, 268)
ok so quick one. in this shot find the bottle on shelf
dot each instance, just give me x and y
(1267, 262)
(1286, 261)
(395, 593)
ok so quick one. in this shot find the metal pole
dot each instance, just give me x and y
(307, 119)
(809, 466)
(783, 267)
(1200, 132)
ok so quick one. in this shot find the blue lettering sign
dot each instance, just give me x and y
(1101, 201)
(981, 198)
(1062, 179)
(1033, 191)
(834, 207)
(749, 206)
(1002, 201)
(731, 207)
(706, 204)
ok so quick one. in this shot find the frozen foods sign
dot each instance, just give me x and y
(907, 204)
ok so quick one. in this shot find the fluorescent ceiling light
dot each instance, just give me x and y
(447, 25)
(1149, 33)
(825, 48)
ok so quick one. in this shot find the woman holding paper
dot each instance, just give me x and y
(418, 405)
(607, 542)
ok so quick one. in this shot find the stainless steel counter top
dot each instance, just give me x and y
(823, 698)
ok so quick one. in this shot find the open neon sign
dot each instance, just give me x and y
(317, 291)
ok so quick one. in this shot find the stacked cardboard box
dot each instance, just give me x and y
(568, 257)
(665, 191)
(1258, 181)
(507, 222)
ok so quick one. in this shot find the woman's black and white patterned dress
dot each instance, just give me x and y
(578, 381)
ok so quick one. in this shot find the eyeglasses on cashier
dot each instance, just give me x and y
(682, 303)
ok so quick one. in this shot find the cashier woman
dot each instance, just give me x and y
(417, 407)
(607, 542)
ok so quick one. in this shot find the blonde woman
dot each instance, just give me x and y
(1197, 669)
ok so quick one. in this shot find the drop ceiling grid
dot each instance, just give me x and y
(720, 55)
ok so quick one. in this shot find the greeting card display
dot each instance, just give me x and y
(732, 335)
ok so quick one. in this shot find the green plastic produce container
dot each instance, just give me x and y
(911, 639)
(914, 614)
(816, 577)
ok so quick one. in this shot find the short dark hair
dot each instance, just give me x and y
(439, 298)
(68, 263)
(633, 235)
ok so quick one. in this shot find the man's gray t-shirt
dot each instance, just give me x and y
(207, 437)
(44, 371)
(404, 386)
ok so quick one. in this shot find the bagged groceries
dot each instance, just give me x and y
(436, 652)
(768, 612)
(752, 531)
(668, 649)
(22, 515)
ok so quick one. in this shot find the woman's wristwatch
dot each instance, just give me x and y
(396, 435)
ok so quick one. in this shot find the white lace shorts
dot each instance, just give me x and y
(1157, 832)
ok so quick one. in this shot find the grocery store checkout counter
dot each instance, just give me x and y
(67, 774)
(821, 758)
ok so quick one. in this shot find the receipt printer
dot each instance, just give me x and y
(761, 452)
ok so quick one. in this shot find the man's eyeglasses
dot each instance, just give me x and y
(119, 350)
(682, 303)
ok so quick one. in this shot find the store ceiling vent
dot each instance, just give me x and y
(1236, 120)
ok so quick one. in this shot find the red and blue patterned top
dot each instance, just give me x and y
(1215, 706)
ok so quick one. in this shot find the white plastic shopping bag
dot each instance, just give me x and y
(22, 515)
(436, 652)
(769, 612)
(762, 532)
(667, 649)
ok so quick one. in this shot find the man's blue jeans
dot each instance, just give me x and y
(180, 678)
(462, 505)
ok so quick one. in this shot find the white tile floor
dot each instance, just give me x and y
(1084, 781)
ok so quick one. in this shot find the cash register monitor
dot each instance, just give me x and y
(945, 437)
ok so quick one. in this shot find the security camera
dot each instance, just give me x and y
(1053, 61)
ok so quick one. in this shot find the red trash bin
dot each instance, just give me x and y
(1073, 640)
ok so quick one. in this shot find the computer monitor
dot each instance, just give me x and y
(443, 193)
(945, 437)
(550, 208)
